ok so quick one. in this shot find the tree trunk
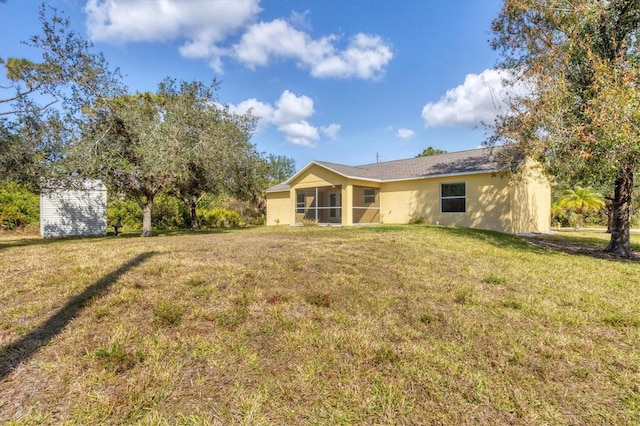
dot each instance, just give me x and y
(191, 201)
(147, 228)
(193, 215)
(620, 243)
(609, 209)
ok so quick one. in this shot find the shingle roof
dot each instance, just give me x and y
(482, 160)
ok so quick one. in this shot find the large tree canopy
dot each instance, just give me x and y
(68, 71)
(67, 115)
(42, 101)
(580, 60)
(175, 140)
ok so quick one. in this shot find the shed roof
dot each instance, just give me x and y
(481, 160)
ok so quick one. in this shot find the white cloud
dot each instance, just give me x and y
(331, 131)
(258, 109)
(208, 32)
(142, 20)
(365, 56)
(479, 99)
(300, 133)
(405, 133)
(291, 108)
(300, 19)
(290, 115)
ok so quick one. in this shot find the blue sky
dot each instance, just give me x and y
(343, 81)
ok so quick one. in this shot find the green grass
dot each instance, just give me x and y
(307, 325)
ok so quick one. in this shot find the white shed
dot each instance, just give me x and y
(73, 212)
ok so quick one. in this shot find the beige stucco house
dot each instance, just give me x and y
(464, 189)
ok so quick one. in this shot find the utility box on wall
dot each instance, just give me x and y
(74, 212)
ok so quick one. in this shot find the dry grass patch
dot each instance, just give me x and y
(376, 325)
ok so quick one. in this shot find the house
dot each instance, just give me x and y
(463, 189)
(79, 211)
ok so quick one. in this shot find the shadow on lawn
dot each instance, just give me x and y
(38, 241)
(544, 244)
(15, 353)
(498, 239)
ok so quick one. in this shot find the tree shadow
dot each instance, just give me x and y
(27, 241)
(589, 247)
(498, 239)
(15, 353)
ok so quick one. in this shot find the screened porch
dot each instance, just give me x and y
(324, 205)
(319, 204)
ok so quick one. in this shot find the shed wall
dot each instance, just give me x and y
(68, 213)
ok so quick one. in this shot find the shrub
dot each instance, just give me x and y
(416, 220)
(218, 218)
(169, 213)
(124, 213)
(19, 206)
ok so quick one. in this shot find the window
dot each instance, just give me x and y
(369, 196)
(300, 202)
(453, 198)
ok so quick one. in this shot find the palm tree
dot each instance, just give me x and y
(581, 200)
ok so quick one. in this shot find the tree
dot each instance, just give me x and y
(70, 76)
(580, 64)
(580, 201)
(126, 146)
(279, 168)
(429, 151)
(177, 140)
(69, 71)
(213, 143)
(257, 174)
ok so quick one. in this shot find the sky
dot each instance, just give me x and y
(345, 81)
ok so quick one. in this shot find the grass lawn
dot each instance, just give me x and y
(363, 325)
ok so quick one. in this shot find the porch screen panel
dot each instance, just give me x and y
(366, 205)
(322, 204)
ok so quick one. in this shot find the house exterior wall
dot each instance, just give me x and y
(281, 207)
(68, 213)
(487, 202)
(317, 176)
(530, 201)
(497, 202)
